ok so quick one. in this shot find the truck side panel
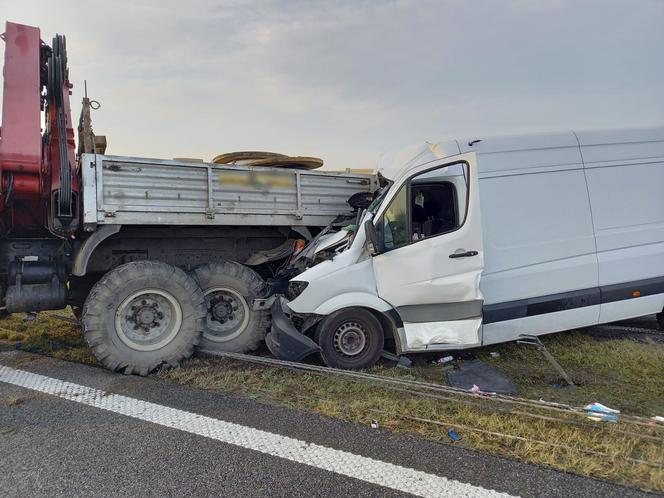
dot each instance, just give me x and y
(133, 191)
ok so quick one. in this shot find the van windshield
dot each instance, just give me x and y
(375, 204)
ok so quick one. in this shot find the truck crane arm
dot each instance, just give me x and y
(40, 180)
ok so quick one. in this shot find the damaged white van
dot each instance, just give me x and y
(477, 241)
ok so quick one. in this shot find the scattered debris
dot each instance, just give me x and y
(476, 390)
(404, 362)
(600, 413)
(445, 359)
(477, 373)
(533, 340)
(401, 361)
(599, 407)
(374, 424)
(658, 419)
(494, 354)
(30, 316)
(453, 436)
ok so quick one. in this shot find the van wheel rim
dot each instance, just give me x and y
(350, 339)
(228, 314)
(148, 320)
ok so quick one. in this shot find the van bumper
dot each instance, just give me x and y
(284, 341)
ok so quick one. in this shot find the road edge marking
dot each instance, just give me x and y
(341, 462)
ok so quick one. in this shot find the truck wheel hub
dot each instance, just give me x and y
(223, 309)
(350, 339)
(148, 319)
(228, 314)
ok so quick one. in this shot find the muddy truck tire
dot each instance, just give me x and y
(142, 315)
(231, 325)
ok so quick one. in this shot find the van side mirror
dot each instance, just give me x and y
(372, 243)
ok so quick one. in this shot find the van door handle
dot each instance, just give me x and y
(466, 254)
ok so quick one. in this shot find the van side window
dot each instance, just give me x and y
(438, 201)
(394, 225)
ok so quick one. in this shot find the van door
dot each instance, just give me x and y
(429, 269)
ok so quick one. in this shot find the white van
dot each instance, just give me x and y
(476, 241)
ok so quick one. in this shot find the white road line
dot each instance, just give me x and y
(340, 462)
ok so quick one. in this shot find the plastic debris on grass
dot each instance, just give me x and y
(453, 436)
(600, 413)
(478, 392)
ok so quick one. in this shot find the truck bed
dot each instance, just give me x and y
(138, 191)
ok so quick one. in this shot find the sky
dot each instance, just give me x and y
(350, 80)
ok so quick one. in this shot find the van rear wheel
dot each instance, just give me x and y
(351, 338)
(142, 315)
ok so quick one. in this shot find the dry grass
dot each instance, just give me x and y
(15, 400)
(395, 410)
(620, 373)
(47, 334)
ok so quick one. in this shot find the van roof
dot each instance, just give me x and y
(566, 149)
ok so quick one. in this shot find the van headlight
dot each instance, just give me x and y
(295, 288)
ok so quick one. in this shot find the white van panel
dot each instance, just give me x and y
(625, 172)
(541, 279)
(501, 154)
(538, 236)
(620, 310)
(631, 264)
(436, 335)
(628, 203)
(603, 147)
(509, 330)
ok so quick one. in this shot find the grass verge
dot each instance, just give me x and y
(54, 333)
(618, 372)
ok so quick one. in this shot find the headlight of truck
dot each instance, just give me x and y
(295, 288)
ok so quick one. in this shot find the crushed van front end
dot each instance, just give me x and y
(284, 340)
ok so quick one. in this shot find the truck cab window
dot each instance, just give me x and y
(438, 201)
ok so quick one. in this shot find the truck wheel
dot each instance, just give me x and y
(351, 338)
(231, 325)
(142, 315)
(660, 320)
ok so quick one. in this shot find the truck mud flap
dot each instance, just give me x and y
(284, 341)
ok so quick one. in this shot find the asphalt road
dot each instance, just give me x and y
(76, 447)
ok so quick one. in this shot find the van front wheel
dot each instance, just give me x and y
(351, 338)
